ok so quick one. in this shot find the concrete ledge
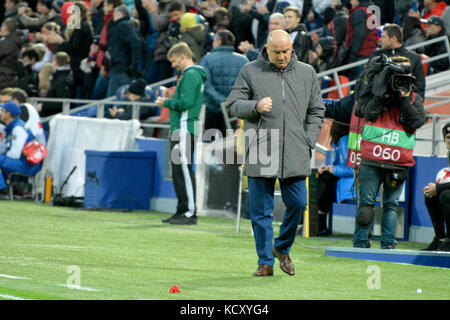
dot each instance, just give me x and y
(425, 258)
(168, 205)
(421, 234)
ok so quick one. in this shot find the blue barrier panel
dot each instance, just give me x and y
(417, 223)
(162, 178)
(422, 173)
(119, 179)
(425, 258)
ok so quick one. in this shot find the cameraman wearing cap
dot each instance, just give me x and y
(389, 112)
(11, 155)
(437, 200)
(435, 29)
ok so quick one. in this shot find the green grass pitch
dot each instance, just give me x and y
(54, 253)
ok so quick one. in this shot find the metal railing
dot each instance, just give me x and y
(436, 135)
(100, 105)
(335, 72)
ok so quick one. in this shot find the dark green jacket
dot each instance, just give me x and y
(186, 104)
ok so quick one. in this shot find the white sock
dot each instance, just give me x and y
(188, 214)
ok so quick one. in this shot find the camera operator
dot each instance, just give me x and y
(392, 112)
(392, 45)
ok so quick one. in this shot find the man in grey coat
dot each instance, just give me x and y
(280, 101)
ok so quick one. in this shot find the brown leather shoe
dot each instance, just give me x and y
(286, 263)
(264, 270)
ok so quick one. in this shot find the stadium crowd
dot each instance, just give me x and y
(89, 49)
(95, 49)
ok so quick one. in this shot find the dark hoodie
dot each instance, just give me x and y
(13, 12)
(195, 39)
(9, 55)
(301, 42)
(328, 51)
(436, 49)
(62, 86)
(125, 52)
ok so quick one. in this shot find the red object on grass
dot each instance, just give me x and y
(174, 289)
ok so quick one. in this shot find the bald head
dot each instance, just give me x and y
(279, 48)
(278, 36)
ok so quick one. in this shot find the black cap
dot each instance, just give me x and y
(328, 15)
(56, 5)
(137, 87)
(436, 20)
(446, 129)
(48, 3)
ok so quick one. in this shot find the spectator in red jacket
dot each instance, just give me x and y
(434, 8)
(431, 8)
(66, 10)
(360, 40)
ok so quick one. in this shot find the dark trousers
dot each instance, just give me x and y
(182, 150)
(261, 197)
(215, 121)
(439, 211)
(327, 184)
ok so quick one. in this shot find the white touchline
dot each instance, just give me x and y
(73, 287)
(7, 276)
(9, 297)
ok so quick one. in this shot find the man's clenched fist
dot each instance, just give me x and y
(264, 105)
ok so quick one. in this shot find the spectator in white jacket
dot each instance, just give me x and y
(16, 137)
(29, 114)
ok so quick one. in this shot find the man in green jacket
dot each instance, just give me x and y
(185, 106)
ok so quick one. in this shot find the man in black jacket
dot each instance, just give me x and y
(12, 6)
(435, 29)
(62, 86)
(123, 50)
(437, 200)
(28, 78)
(392, 45)
(297, 31)
(340, 110)
(262, 14)
(10, 45)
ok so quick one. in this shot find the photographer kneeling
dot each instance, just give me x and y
(392, 111)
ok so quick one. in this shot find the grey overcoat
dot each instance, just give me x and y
(278, 143)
